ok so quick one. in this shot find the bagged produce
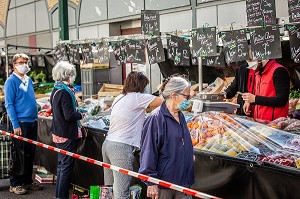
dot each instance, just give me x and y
(246, 139)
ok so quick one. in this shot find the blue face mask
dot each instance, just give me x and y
(184, 105)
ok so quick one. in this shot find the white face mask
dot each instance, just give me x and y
(252, 64)
(23, 69)
(72, 79)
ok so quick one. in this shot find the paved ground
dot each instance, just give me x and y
(47, 193)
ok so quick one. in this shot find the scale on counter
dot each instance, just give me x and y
(212, 102)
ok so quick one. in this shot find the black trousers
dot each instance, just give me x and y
(22, 155)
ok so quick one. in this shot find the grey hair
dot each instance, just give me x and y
(20, 55)
(63, 71)
(174, 85)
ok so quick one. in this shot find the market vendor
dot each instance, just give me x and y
(166, 146)
(271, 96)
(124, 135)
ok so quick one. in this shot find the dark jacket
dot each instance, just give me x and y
(166, 148)
(240, 84)
(65, 118)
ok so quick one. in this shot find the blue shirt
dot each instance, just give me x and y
(20, 100)
(166, 148)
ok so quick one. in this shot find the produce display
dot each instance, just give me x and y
(241, 138)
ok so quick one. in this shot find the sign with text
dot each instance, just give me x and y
(172, 44)
(265, 43)
(260, 12)
(150, 22)
(204, 42)
(294, 10)
(74, 56)
(216, 61)
(155, 50)
(235, 45)
(295, 42)
(101, 53)
(183, 53)
(60, 53)
(135, 51)
(119, 48)
(87, 55)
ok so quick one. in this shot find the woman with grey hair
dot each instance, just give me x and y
(65, 125)
(166, 141)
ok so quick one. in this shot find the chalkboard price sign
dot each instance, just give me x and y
(295, 42)
(204, 42)
(216, 61)
(119, 51)
(294, 10)
(183, 54)
(101, 53)
(155, 50)
(260, 12)
(172, 44)
(87, 54)
(61, 53)
(150, 22)
(235, 45)
(135, 51)
(265, 43)
(73, 51)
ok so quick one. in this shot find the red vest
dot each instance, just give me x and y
(265, 87)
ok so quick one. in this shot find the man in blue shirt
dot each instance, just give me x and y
(21, 108)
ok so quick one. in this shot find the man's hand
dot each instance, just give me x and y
(18, 131)
(152, 192)
(248, 97)
(246, 108)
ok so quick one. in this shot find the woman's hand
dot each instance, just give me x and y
(246, 108)
(248, 97)
(152, 192)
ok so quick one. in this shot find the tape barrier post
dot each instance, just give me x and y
(115, 168)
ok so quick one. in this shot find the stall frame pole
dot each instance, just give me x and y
(200, 73)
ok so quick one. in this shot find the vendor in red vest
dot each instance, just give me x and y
(271, 95)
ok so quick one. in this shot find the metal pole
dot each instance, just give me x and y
(200, 74)
(7, 75)
(194, 13)
(63, 19)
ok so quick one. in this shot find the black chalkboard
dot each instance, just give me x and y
(87, 55)
(74, 56)
(216, 61)
(150, 22)
(155, 50)
(265, 43)
(60, 53)
(294, 31)
(260, 12)
(119, 48)
(204, 42)
(183, 54)
(294, 10)
(101, 54)
(135, 51)
(235, 45)
(172, 44)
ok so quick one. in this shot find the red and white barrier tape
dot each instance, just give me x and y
(115, 168)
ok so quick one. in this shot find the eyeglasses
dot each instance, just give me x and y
(186, 96)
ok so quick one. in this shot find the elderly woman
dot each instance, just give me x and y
(65, 126)
(124, 135)
(166, 146)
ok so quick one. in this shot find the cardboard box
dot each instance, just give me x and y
(45, 178)
(80, 192)
(110, 90)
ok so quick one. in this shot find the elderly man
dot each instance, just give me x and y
(21, 107)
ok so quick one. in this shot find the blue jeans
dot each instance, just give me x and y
(21, 172)
(64, 169)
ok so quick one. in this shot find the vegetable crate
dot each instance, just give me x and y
(90, 89)
(110, 90)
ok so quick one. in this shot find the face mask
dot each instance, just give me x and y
(252, 64)
(72, 79)
(184, 105)
(23, 69)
